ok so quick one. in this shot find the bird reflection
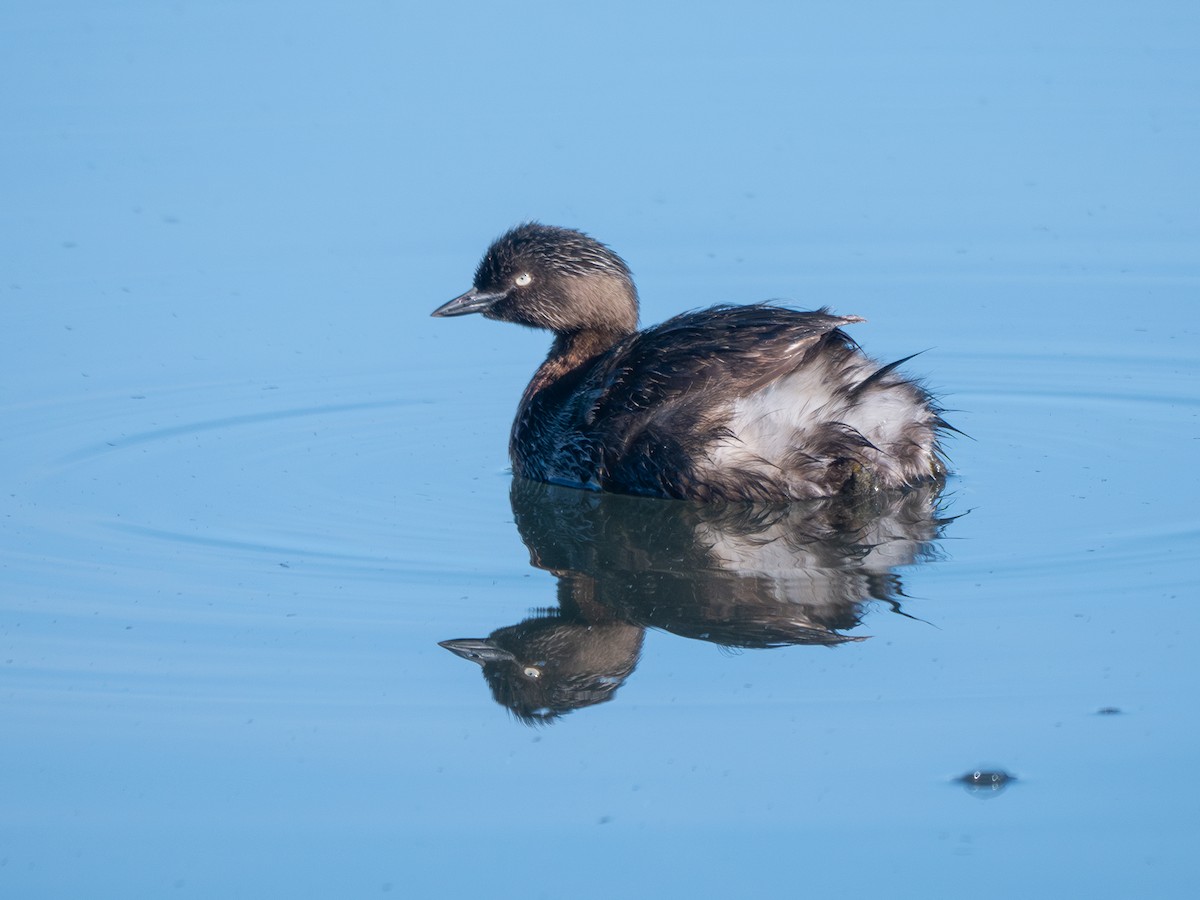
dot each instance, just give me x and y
(738, 575)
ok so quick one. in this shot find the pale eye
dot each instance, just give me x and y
(523, 279)
(533, 672)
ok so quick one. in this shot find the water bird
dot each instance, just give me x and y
(758, 402)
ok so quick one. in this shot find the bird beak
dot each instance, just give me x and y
(472, 301)
(476, 650)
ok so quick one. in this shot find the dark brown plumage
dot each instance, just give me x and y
(754, 402)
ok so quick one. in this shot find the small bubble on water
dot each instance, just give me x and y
(986, 780)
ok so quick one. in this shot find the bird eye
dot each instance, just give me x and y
(533, 672)
(523, 279)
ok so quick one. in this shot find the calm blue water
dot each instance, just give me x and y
(248, 484)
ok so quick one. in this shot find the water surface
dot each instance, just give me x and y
(249, 485)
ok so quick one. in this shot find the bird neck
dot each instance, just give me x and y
(570, 351)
